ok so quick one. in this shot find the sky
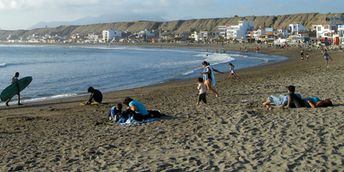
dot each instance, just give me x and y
(22, 14)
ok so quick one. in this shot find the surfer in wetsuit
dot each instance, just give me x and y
(209, 77)
(96, 96)
(15, 81)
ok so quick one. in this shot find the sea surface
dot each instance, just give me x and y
(60, 71)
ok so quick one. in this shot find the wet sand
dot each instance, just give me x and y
(231, 133)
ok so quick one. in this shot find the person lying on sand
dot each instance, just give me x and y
(275, 101)
(95, 96)
(315, 102)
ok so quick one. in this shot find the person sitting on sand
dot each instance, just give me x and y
(96, 96)
(209, 77)
(15, 81)
(202, 91)
(116, 114)
(136, 109)
(294, 100)
(315, 102)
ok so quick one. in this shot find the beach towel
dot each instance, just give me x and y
(154, 115)
(131, 121)
(213, 80)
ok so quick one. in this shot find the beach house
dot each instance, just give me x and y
(109, 35)
(200, 36)
(321, 30)
(341, 34)
(236, 32)
(297, 28)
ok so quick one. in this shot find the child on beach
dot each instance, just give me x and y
(232, 71)
(202, 91)
(116, 114)
(96, 96)
(327, 57)
(302, 54)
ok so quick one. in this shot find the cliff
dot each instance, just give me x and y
(179, 26)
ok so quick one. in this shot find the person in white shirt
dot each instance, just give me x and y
(202, 91)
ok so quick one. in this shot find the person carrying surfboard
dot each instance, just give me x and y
(15, 81)
(209, 77)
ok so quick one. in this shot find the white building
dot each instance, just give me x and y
(147, 35)
(92, 38)
(195, 36)
(222, 31)
(236, 31)
(258, 33)
(203, 35)
(109, 35)
(297, 28)
(322, 30)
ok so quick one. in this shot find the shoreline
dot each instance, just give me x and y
(54, 98)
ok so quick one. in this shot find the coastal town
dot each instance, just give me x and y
(331, 33)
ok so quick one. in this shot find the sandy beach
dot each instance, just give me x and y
(232, 133)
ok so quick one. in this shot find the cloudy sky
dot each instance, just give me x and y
(22, 14)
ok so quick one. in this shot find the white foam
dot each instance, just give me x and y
(217, 58)
(3, 64)
(40, 99)
(212, 58)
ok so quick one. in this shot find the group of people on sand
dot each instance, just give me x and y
(208, 81)
(294, 100)
(135, 109)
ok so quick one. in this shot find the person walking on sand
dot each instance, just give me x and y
(232, 71)
(302, 55)
(209, 77)
(327, 57)
(15, 81)
(202, 91)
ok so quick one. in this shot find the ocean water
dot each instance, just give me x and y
(60, 71)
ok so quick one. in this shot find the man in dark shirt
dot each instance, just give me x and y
(294, 100)
(96, 96)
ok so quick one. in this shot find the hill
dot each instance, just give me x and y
(178, 26)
